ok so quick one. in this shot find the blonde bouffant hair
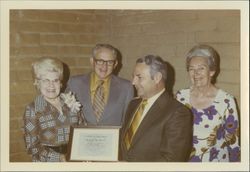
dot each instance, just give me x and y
(44, 65)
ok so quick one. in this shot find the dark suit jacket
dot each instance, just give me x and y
(165, 134)
(120, 94)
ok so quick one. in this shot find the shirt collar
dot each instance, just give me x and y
(152, 99)
(95, 80)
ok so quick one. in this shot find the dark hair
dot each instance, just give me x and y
(156, 65)
(107, 46)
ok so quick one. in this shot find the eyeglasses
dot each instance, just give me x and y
(101, 62)
(47, 81)
(198, 69)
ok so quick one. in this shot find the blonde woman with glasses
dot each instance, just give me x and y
(48, 118)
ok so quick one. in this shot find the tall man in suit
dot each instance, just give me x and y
(163, 132)
(104, 96)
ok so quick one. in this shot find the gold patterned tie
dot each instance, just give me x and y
(98, 102)
(134, 124)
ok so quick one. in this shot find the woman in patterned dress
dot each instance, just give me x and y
(216, 121)
(48, 118)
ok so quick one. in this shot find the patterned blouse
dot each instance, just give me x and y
(45, 126)
(216, 129)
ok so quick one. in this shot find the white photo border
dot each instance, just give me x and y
(6, 6)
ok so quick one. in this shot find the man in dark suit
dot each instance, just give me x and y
(104, 96)
(164, 130)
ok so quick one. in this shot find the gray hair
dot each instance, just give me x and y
(156, 65)
(46, 64)
(204, 51)
(107, 46)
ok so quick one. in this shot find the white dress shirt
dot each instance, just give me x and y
(151, 101)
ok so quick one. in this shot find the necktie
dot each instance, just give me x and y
(134, 124)
(98, 102)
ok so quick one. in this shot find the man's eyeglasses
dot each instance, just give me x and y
(47, 81)
(101, 62)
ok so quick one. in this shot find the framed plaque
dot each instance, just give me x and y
(93, 143)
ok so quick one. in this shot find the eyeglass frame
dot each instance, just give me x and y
(102, 62)
(47, 81)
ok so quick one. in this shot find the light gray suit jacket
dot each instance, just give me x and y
(120, 94)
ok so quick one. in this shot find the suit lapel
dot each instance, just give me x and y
(113, 90)
(88, 102)
(131, 112)
(152, 115)
(129, 116)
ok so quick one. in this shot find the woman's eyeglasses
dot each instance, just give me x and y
(47, 81)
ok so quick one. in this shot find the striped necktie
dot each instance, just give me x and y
(98, 102)
(134, 124)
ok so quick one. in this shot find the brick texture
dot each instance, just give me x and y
(70, 35)
(66, 34)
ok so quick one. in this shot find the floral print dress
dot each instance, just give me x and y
(215, 129)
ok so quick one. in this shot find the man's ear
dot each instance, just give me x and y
(91, 61)
(211, 73)
(116, 63)
(157, 77)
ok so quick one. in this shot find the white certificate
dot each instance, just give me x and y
(93, 144)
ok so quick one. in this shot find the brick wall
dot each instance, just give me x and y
(65, 34)
(70, 35)
(172, 33)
